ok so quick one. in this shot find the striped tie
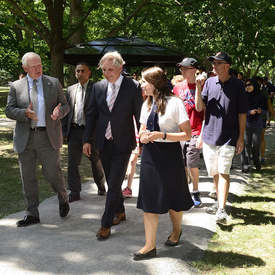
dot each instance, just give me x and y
(33, 95)
(110, 104)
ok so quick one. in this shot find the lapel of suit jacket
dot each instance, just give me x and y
(120, 92)
(104, 93)
(73, 92)
(25, 89)
(46, 89)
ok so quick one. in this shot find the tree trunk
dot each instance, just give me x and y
(57, 58)
(76, 12)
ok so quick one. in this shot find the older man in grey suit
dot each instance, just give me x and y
(37, 103)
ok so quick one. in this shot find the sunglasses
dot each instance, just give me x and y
(182, 69)
(247, 85)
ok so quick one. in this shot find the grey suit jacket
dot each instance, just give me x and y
(19, 100)
(127, 105)
(70, 96)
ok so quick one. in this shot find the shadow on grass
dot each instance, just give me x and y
(248, 198)
(231, 260)
(249, 217)
(6, 135)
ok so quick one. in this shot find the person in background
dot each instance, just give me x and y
(240, 75)
(114, 102)
(257, 107)
(78, 97)
(191, 149)
(21, 76)
(177, 79)
(131, 169)
(264, 117)
(224, 100)
(163, 185)
(269, 87)
(37, 103)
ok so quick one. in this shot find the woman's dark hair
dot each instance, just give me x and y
(157, 77)
(255, 84)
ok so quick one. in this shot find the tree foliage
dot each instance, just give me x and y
(245, 29)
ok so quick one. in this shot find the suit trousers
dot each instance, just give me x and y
(39, 148)
(75, 151)
(115, 165)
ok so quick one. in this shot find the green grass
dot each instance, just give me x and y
(3, 101)
(246, 245)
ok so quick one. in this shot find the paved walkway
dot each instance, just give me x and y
(69, 246)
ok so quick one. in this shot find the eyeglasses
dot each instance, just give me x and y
(247, 85)
(218, 63)
(182, 69)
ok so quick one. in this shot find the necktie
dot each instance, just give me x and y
(33, 95)
(110, 104)
(153, 119)
(80, 104)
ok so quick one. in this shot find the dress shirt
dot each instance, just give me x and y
(40, 100)
(85, 85)
(110, 89)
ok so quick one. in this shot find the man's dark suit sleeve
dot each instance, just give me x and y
(138, 104)
(91, 118)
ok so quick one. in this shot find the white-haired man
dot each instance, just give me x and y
(37, 103)
(114, 102)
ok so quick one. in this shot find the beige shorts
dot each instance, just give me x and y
(218, 159)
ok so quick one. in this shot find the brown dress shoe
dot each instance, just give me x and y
(104, 232)
(118, 218)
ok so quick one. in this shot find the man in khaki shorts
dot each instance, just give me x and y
(225, 103)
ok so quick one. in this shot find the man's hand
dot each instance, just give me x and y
(87, 149)
(30, 113)
(239, 146)
(56, 112)
(199, 142)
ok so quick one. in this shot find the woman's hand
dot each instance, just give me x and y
(253, 112)
(143, 137)
(155, 135)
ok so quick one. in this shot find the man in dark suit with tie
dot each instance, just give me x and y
(78, 97)
(37, 103)
(114, 102)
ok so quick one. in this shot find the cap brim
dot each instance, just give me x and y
(211, 58)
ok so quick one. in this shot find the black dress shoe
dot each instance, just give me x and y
(170, 243)
(64, 209)
(28, 220)
(150, 254)
(101, 193)
(74, 198)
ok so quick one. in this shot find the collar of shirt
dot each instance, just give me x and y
(30, 81)
(117, 83)
(85, 85)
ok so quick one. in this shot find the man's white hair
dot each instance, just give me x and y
(26, 56)
(114, 56)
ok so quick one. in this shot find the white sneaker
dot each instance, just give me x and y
(221, 216)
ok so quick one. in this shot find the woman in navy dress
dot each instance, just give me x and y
(163, 186)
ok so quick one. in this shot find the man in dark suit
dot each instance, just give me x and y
(78, 97)
(114, 102)
(37, 103)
